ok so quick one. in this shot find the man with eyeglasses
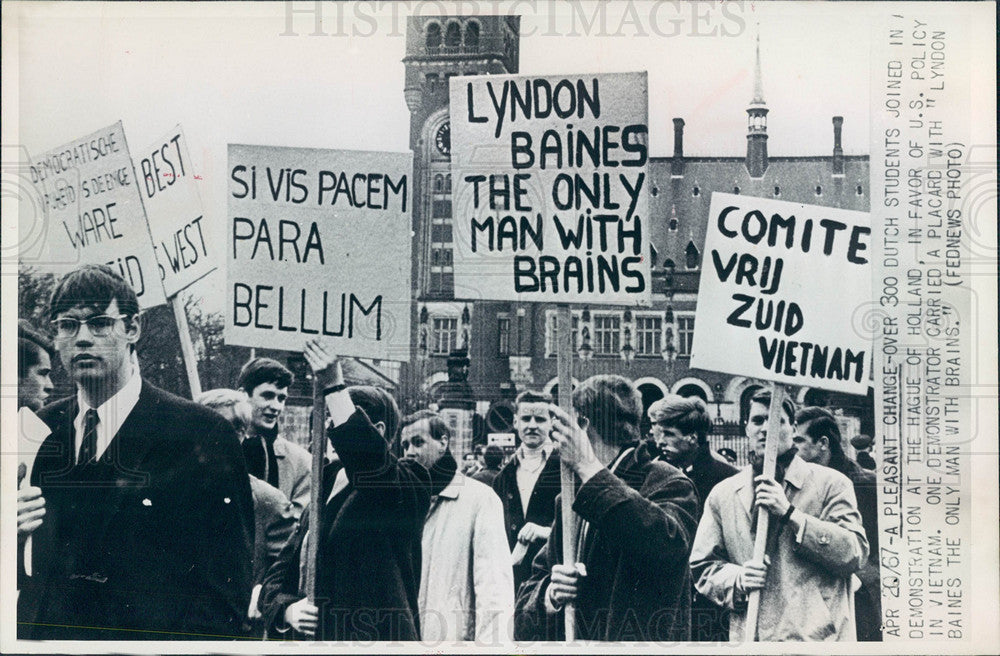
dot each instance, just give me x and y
(149, 520)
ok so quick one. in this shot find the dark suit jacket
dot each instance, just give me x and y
(368, 574)
(541, 507)
(638, 584)
(153, 540)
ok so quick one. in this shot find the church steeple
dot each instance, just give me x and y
(757, 123)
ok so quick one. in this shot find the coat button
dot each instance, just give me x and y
(824, 539)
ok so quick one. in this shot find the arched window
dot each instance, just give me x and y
(736, 189)
(692, 258)
(433, 35)
(777, 190)
(673, 224)
(438, 183)
(696, 191)
(453, 35)
(472, 35)
(691, 389)
(859, 190)
(447, 183)
(819, 190)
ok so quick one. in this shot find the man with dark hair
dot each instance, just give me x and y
(149, 520)
(679, 430)
(374, 505)
(818, 440)
(34, 366)
(466, 582)
(492, 461)
(273, 518)
(270, 457)
(815, 541)
(529, 483)
(637, 519)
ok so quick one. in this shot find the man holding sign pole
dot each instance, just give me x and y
(815, 541)
(637, 520)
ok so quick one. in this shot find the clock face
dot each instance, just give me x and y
(442, 138)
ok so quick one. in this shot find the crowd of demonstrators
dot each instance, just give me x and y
(637, 518)
(153, 517)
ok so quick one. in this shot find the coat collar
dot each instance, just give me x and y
(280, 447)
(795, 475)
(454, 488)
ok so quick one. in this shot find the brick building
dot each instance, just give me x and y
(510, 346)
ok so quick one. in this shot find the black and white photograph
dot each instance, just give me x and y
(499, 327)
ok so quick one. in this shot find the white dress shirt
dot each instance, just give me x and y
(110, 415)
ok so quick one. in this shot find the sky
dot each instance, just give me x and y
(255, 74)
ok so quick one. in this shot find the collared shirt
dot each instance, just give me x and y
(526, 478)
(110, 415)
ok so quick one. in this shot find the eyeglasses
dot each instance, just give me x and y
(99, 326)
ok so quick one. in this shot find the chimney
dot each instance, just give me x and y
(838, 152)
(677, 162)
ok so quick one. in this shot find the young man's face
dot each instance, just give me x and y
(675, 446)
(757, 429)
(809, 450)
(533, 423)
(34, 389)
(417, 443)
(268, 402)
(99, 352)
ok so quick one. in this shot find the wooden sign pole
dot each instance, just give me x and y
(187, 346)
(763, 516)
(318, 447)
(564, 367)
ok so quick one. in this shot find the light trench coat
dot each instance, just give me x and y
(807, 594)
(467, 577)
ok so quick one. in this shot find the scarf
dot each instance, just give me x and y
(442, 473)
(258, 451)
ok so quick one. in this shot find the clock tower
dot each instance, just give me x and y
(437, 49)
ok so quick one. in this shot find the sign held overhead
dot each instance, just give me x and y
(319, 246)
(551, 187)
(780, 284)
(95, 214)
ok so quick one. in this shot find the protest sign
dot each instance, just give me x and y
(94, 211)
(319, 247)
(181, 240)
(779, 285)
(551, 187)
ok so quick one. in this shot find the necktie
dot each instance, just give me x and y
(88, 448)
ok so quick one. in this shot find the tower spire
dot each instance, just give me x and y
(758, 84)
(757, 123)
